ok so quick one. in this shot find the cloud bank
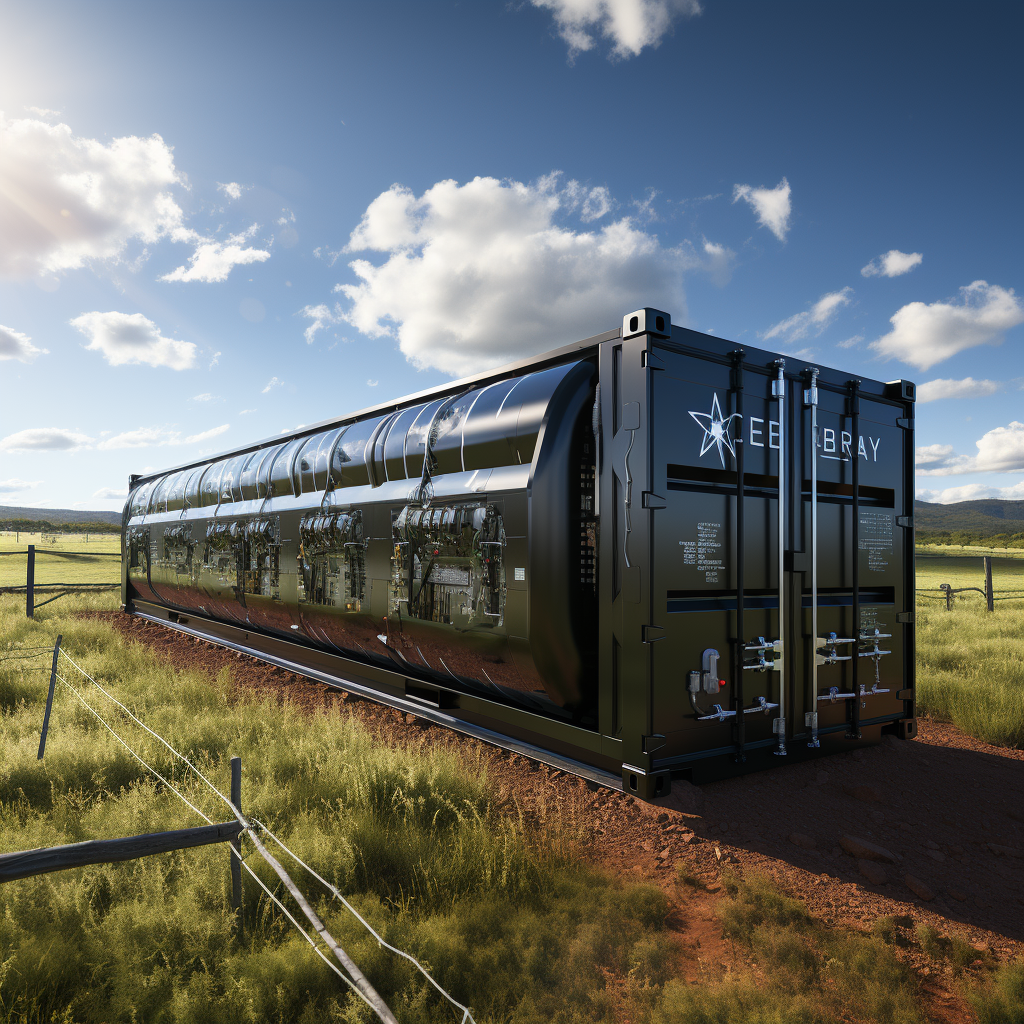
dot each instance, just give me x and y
(772, 206)
(481, 273)
(125, 338)
(630, 25)
(944, 387)
(924, 335)
(1000, 450)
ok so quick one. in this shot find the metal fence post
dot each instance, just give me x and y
(989, 596)
(49, 699)
(236, 863)
(30, 582)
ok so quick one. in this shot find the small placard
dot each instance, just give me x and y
(520, 573)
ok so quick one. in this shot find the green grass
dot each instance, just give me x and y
(969, 666)
(53, 565)
(1002, 1000)
(510, 918)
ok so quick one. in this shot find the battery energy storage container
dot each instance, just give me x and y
(650, 555)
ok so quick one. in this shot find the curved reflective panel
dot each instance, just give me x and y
(416, 440)
(249, 478)
(209, 486)
(348, 464)
(315, 452)
(158, 503)
(446, 433)
(140, 499)
(394, 443)
(266, 466)
(322, 471)
(192, 487)
(489, 425)
(175, 495)
(281, 471)
(229, 479)
(532, 396)
(377, 472)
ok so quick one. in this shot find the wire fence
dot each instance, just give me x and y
(73, 678)
(57, 573)
(961, 579)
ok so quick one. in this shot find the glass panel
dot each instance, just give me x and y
(209, 488)
(281, 473)
(349, 463)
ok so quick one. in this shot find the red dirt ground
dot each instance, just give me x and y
(948, 809)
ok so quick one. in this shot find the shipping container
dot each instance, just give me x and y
(654, 554)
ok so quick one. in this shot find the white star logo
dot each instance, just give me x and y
(716, 430)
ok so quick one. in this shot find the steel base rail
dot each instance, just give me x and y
(337, 682)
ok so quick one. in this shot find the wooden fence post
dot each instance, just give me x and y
(236, 843)
(49, 699)
(30, 582)
(989, 597)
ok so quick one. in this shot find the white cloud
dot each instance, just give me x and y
(207, 434)
(132, 338)
(214, 360)
(480, 273)
(771, 205)
(629, 24)
(924, 335)
(65, 200)
(245, 412)
(111, 492)
(321, 315)
(204, 397)
(970, 492)
(271, 384)
(15, 345)
(593, 203)
(213, 261)
(14, 484)
(230, 188)
(45, 439)
(371, 383)
(149, 437)
(940, 460)
(719, 263)
(43, 112)
(892, 264)
(943, 387)
(1000, 450)
(850, 342)
(815, 319)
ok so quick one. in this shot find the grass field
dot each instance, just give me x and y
(58, 559)
(504, 909)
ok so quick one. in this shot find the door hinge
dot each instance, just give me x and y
(905, 422)
(651, 634)
(904, 616)
(651, 500)
(907, 522)
(654, 742)
(648, 358)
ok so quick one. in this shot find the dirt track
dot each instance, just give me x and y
(945, 809)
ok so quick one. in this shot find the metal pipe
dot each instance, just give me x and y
(854, 731)
(811, 399)
(741, 731)
(779, 392)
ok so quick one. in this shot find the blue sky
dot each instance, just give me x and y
(221, 221)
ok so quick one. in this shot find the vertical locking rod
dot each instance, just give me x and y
(779, 391)
(811, 399)
(738, 699)
(854, 732)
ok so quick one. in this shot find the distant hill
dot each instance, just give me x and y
(58, 516)
(983, 517)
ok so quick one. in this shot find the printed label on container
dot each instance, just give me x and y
(520, 573)
(704, 554)
(876, 539)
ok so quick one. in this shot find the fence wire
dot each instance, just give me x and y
(248, 822)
